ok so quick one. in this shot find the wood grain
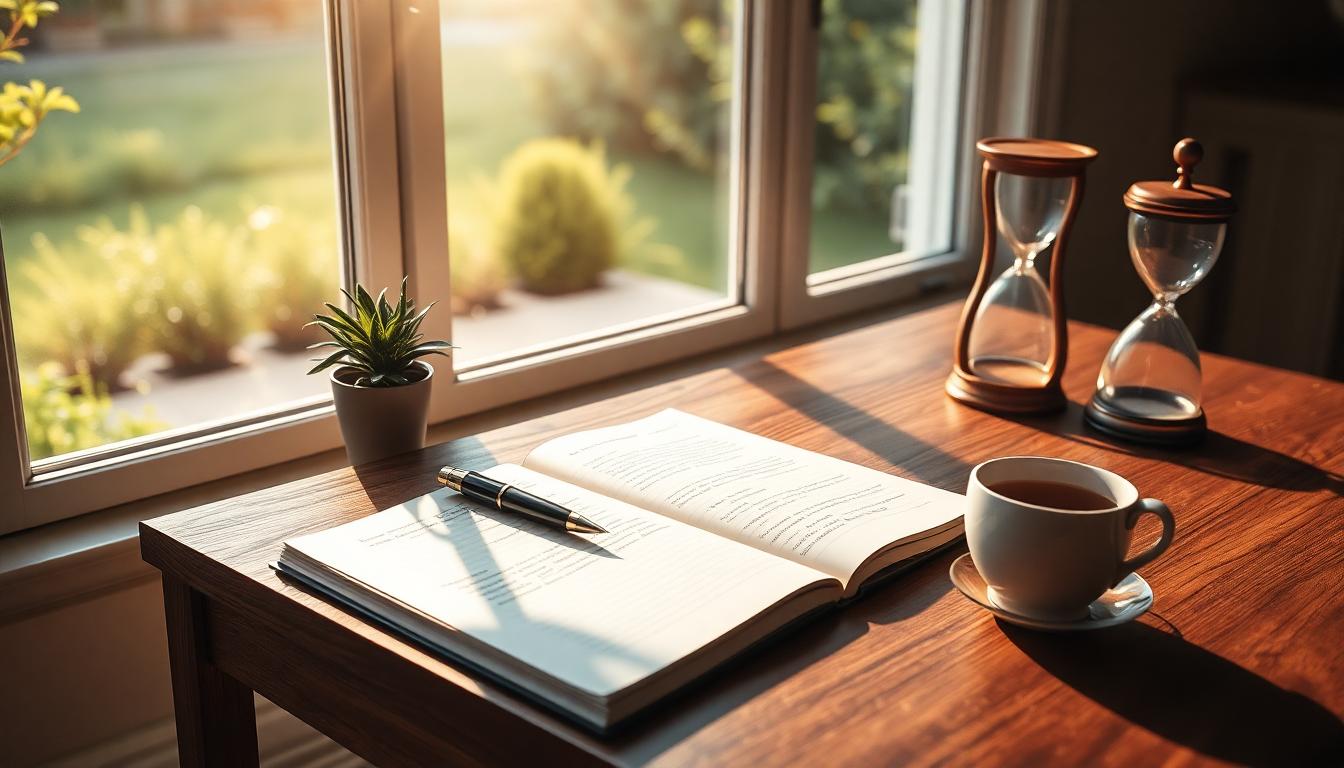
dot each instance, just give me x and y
(1241, 660)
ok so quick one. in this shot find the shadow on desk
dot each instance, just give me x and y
(1218, 454)
(784, 654)
(1188, 695)
(917, 458)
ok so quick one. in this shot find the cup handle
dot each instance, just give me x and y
(1155, 507)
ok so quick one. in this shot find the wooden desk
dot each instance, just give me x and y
(1242, 658)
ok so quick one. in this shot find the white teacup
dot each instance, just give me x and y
(1048, 561)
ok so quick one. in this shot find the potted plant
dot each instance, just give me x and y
(380, 384)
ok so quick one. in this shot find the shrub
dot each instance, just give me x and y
(199, 285)
(297, 269)
(192, 288)
(637, 76)
(477, 275)
(140, 162)
(83, 309)
(865, 70)
(63, 414)
(656, 76)
(559, 215)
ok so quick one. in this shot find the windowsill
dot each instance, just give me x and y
(53, 565)
(266, 378)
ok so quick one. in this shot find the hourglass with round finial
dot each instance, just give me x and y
(1010, 348)
(1149, 387)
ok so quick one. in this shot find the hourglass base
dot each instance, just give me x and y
(1003, 398)
(1126, 426)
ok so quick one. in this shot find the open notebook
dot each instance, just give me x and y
(717, 538)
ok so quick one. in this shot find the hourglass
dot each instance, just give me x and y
(1011, 345)
(1149, 386)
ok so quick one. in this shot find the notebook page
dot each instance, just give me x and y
(813, 509)
(596, 612)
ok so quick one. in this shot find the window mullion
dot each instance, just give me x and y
(366, 100)
(13, 447)
(765, 80)
(419, 115)
(933, 245)
(795, 221)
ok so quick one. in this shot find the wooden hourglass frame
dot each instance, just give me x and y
(1034, 158)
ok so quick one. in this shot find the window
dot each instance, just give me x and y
(590, 156)
(878, 102)
(166, 245)
(587, 188)
(861, 146)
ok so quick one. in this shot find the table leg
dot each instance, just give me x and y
(216, 721)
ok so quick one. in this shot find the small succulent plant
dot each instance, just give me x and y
(380, 341)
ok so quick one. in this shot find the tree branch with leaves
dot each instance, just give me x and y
(24, 107)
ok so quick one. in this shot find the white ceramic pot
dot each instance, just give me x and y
(377, 422)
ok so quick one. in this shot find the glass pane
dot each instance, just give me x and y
(589, 166)
(861, 192)
(165, 244)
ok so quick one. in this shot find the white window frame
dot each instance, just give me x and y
(388, 96)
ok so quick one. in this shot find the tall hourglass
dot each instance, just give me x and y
(1149, 386)
(1013, 334)
(1011, 345)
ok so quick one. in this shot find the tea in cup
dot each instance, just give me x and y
(1050, 536)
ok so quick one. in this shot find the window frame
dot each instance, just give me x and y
(605, 353)
(394, 217)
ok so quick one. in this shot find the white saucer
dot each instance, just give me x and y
(1130, 599)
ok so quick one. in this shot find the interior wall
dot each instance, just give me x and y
(83, 673)
(87, 683)
(1122, 70)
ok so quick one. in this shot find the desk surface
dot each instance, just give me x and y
(1241, 658)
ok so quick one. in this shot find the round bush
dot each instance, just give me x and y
(558, 216)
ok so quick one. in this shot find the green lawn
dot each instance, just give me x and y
(230, 127)
(224, 128)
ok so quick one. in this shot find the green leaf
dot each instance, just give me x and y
(353, 304)
(351, 323)
(365, 303)
(384, 310)
(435, 345)
(403, 304)
(330, 360)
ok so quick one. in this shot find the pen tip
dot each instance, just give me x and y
(580, 524)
